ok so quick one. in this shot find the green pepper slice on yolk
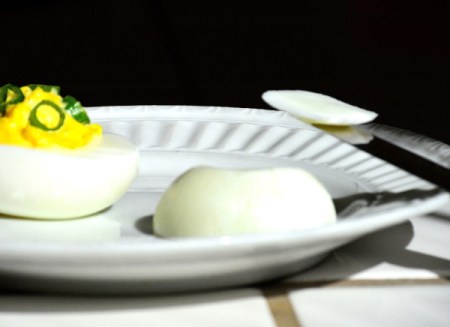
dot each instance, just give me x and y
(9, 94)
(47, 116)
(76, 110)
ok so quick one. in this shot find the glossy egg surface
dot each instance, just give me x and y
(209, 201)
(61, 184)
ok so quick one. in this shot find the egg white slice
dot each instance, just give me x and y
(50, 184)
(317, 108)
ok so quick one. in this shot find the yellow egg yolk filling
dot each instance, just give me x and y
(39, 120)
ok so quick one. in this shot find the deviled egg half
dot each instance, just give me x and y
(207, 201)
(56, 164)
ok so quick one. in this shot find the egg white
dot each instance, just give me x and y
(217, 202)
(317, 108)
(63, 184)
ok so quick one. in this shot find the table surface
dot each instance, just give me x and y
(399, 276)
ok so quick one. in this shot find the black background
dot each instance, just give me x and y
(388, 56)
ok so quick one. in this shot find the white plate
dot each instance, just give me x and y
(115, 252)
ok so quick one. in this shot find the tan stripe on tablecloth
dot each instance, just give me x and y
(277, 295)
(292, 285)
(281, 308)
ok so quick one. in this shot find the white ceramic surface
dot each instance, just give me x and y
(115, 251)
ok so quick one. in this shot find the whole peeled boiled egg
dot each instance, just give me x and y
(208, 201)
(54, 163)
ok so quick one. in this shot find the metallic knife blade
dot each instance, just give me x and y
(421, 145)
(417, 154)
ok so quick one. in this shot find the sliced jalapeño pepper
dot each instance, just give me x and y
(76, 110)
(6, 99)
(36, 122)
